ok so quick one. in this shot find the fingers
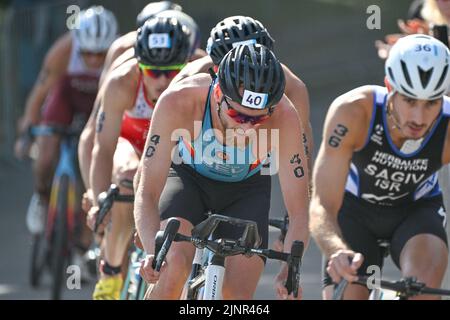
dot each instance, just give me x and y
(282, 293)
(147, 272)
(92, 217)
(344, 264)
(357, 262)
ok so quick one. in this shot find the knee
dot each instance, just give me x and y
(177, 269)
(123, 177)
(430, 269)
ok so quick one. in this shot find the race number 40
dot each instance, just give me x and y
(254, 100)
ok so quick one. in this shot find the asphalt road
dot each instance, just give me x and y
(15, 191)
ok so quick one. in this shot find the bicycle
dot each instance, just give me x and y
(207, 283)
(53, 248)
(405, 288)
(134, 286)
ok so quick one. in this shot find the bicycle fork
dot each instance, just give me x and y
(214, 278)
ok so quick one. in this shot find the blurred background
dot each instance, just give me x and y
(325, 42)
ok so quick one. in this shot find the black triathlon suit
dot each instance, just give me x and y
(390, 195)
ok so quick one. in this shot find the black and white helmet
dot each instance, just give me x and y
(417, 67)
(97, 29)
(235, 30)
(153, 8)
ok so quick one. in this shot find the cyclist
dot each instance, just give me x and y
(202, 120)
(125, 44)
(241, 29)
(120, 52)
(68, 81)
(375, 176)
(130, 93)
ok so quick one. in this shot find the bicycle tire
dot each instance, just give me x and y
(38, 259)
(60, 252)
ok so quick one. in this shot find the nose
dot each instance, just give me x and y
(417, 115)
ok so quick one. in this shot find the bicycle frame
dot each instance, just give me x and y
(66, 167)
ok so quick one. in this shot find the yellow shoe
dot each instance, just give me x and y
(108, 288)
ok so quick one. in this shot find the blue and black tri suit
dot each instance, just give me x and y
(218, 178)
(390, 195)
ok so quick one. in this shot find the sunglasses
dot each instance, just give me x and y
(243, 118)
(93, 54)
(155, 72)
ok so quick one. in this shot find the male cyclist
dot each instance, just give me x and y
(130, 93)
(123, 47)
(235, 30)
(68, 81)
(223, 130)
(375, 176)
(120, 52)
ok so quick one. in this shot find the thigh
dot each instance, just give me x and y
(248, 201)
(358, 235)
(125, 165)
(182, 197)
(425, 217)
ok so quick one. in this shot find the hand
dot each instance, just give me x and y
(147, 272)
(413, 26)
(281, 290)
(384, 47)
(137, 241)
(92, 217)
(87, 201)
(344, 264)
(22, 147)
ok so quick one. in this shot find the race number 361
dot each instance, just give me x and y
(254, 100)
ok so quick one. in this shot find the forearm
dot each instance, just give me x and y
(85, 155)
(100, 171)
(34, 104)
(298, 230)
(147, 221)
(325, 231)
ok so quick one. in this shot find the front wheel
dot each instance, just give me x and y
(38, 259)
(60, 250)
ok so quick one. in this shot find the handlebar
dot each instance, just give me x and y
(226, 247)
(405, 288)
(282, 224)
(106, 200)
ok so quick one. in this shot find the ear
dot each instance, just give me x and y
(387, 84)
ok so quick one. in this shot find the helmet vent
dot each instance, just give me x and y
(425, 76)
(391, 74)
(408, 92)
(406, 73)
(443, 76)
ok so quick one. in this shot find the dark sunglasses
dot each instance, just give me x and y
(156, 72)
(243, 118)
(92, 54)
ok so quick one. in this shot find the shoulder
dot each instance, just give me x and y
(200, 65)
(292, 78)
(59, 53)
(122, 43)
(185, 98)
(123, 80)
(356, 104)
(351, 113)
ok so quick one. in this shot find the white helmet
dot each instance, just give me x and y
(97, 29)
(417, 67)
